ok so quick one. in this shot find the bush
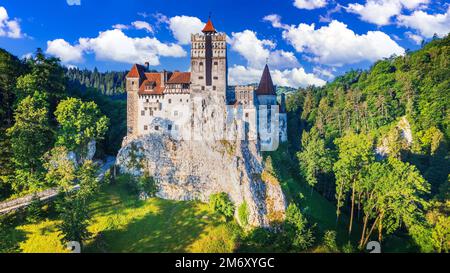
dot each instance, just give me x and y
(297, 228)
(329, 240)
(147, 185)
(222, 204)
(243, 214)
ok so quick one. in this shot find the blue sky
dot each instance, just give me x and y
(306, 41)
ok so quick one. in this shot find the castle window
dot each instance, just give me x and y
(246, 115)
(215, 77)
(214, 88)
(169, 127)
(203, 88)
(145, 127)
(151, 113)
(170, 100)
(142, 113)
(216, 63)
(156, 128)
(200, 78)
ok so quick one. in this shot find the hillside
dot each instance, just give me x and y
(336, 131)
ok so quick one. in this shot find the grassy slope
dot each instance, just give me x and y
(121, 223)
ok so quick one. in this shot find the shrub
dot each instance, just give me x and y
(329, 240)
(297, 228)
(222, 204)
(243, 214)
(147, 185)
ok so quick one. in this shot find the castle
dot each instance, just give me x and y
(167, 101)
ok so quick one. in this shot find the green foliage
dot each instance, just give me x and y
(221, 203)
(314, 157)
(60, 169)
(87, 178)
(34, 210)
(31, 127)
(75, 216)
(108, 83)
(329, 240)
(243, 214)
(297, 228)
(147, 184)
(80, 122)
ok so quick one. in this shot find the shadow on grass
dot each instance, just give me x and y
(168, 226)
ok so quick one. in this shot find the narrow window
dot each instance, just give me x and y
(145, 127)
(142, 113)
(156, 128)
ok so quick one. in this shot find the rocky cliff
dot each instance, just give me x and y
(193, 170)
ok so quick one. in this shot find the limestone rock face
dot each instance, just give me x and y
(193, 170)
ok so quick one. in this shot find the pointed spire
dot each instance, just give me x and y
(266, 84)
(209, 27)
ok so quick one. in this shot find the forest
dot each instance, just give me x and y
(367, 159)
(376, 144)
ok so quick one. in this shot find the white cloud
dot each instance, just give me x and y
(257, 52)
(65, 51)
(337, 45)
(296, 77)
(322, 72)
(142, 25)
(74, 2)
(414, 37)
(427, 24)
(9, 28)
(183, 26)
(380, 12)
(121, 26)
(275, 20)
(310, 4)
(114, 45)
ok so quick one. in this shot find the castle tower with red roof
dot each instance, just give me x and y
(209, 60)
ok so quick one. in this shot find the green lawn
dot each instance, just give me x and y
(121, 223)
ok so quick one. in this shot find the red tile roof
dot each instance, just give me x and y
(137, 71)
(266, 84)
(209, 27)
(180, 77)
(153, 79)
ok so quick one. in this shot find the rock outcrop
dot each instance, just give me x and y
(193, 170)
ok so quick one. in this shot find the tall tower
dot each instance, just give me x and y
(209, 60)
(134, 80)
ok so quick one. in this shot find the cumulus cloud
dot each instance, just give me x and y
(275, 20)
(74, 2)
(337, 45)
(114, 45)
(142, 25)
(9, 27)
(310, 4)
(257, 52)
(183, 26)
(121, 26)
(65, 51)
(427, 24)
(295, 77)
(380, 12)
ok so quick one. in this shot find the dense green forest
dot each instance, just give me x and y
(108, 83)
(33, 94)
(376, 143)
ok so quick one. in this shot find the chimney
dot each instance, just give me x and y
(147, 66)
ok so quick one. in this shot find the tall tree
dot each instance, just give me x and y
(31, 136)
(80, 122)
(314, 157)
(355, 154)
